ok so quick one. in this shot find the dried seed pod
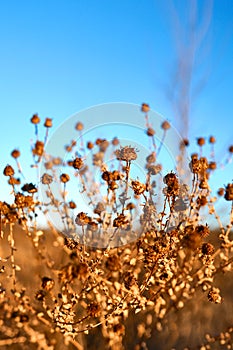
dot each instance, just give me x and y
(90, 145)
(48, 123)
(207, 249)
(202, 230)
(78, 163)
(116, 175)
(103, 145)
(100, 207)
(212, 165)
(130, 206)
(150, 131)
(145, 108)
(15, 153)
(13, 181)
(72, 205)
(194, 165)
(98, 141)
(46, 179)
(106, 176)
(200, 141)
(57, 161)
(165, 125)
(64, 178)
(82, 219)
(229, 192)
(115, 141)
(221, 191)
(79, 126)
(35, 119)
(8, 171)
(39, 148)
(202, 201)
(212, 139)
(151, 158)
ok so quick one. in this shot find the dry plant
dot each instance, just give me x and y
(127, 275)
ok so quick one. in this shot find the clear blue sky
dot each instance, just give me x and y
(59, 57)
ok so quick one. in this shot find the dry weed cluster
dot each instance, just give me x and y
(117, 277)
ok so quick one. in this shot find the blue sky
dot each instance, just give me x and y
(59, 57)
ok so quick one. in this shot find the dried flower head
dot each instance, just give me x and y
(82, 219)
(138, 187)
(126, 153)
(121, 221)
(207, 249)
(29, 187)
(46, 179)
